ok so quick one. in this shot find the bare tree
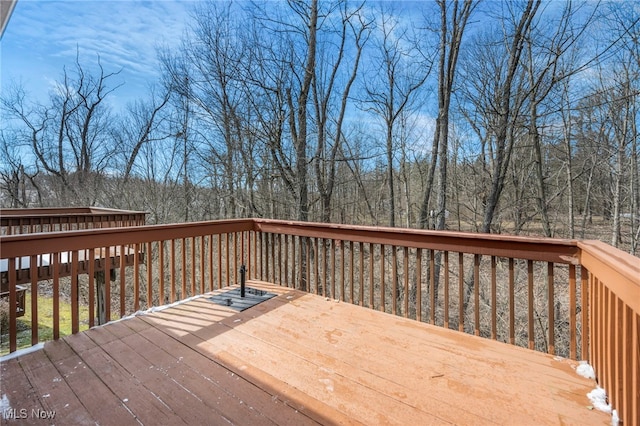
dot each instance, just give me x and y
(16, 182)
(398, 71)
(453, 21)
(70, 136)
(352, 27)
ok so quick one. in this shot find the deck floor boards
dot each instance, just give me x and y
(296, 359)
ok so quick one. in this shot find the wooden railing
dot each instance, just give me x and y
(29, 221)
(38, 220)
(573, 299)
(614, 327)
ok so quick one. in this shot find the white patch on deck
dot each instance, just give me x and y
(598, 398)
(328, 384)
(22, 352)
(615, 420)
(585, 370)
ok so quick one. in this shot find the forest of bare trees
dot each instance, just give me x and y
(504, 116)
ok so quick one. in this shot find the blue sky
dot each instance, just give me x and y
(42, 36)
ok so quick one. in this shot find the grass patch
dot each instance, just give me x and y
(45, 323)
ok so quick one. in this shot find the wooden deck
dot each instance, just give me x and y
(295, 359)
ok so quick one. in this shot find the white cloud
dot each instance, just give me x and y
(42, 37)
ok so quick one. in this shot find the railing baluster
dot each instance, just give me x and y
(253, 240)
(293, 261)
(301, 271)
(476, 293)
(136, 277)
(609, 343)
(308, 264)
(90, 259)
(371, 274)
(494, 300)
(122, 281)
(620, 368)
(352, 272)
(342, 271)
(289, 261)
(316, 265)
(107, 279)
(592, 313)
(572, 312)
(286, 276)
(274, 268)
(324, 267)
(551, 305)
(361, 274)
(332, 276)
(530, 303)
(432, 287)
(183, 269)
(405, 275)
(172, 278)
(288, 272)
(512, 307)
(394, 280)
(227, 264)
(600, 329)
(149, 263)
(235, 259)
(634, 342)
(202, 265)
(220, 261)
(446, 289)
(247, 261)
(584, 310)
(56, 293)
(33, 272)
(161, 296)
(418, 284)
(267, 242)
(11, 270)
(256, 255)
(75, 320)
(192, 259)
(383, 308)
(278, 279)
(460, 291)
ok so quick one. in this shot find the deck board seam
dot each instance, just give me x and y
(238, 399)
(80, 399)
(234, 370)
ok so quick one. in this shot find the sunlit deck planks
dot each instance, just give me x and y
(294, 359)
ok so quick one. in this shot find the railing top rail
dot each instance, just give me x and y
(519, 247)
(70, 211)
(52, 242)
(619, 270)
(593, 255)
